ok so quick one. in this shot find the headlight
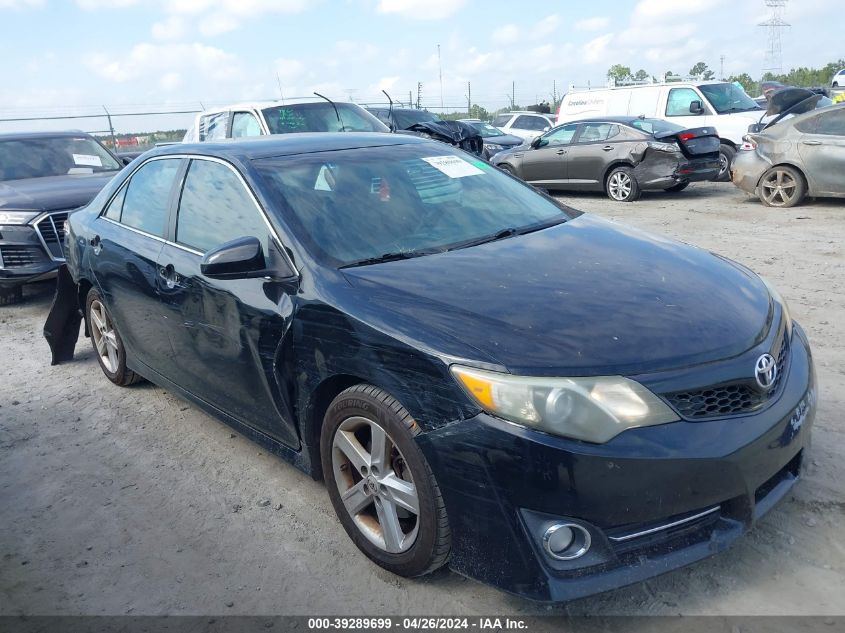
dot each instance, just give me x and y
(494, 147)
(17, 217)
(594, 409)
(664, 147)
(777, 298)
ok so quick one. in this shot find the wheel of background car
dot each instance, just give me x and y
(11, 295)
(108, 345)
(621, 185)
(507, 169)
(782, 187)
(679, 187)
(726, 159)
(380, 484)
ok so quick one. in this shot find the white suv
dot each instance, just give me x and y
(527, 125)
(282, 117)
(838, 80)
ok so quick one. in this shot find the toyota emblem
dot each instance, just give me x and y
(766, 371)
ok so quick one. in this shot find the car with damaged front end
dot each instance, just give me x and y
(544, 400)
(622, 156)
(44, 176)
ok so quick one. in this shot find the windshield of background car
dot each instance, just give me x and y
(486, 130)
(321, 117)
(351, 205)
(407, 118)
(728, 98)
(59, 156)
(652, 126)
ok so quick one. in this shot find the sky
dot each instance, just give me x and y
(70, 57)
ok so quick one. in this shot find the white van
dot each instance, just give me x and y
(724, 106)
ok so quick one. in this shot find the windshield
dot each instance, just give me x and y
(407, 118)
(321, 117)
(652, 126)
(349, 206)
(486, 130)
(58, 156)
(726, 98)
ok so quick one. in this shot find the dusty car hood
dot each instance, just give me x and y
(53, 193)
(584, 297)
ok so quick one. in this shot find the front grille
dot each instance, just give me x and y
(19, 256)
(733, 398)
(52, 231)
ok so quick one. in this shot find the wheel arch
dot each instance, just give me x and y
(82, 289)
(616, 163)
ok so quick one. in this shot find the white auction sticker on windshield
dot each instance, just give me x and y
(87, 159)
(453, 166)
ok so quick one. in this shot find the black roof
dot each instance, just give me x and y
(288, 144)
(21, 136)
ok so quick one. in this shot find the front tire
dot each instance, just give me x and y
(782, 187)
(621, 185)
(108, 346)
(726, 159)
(380, 484)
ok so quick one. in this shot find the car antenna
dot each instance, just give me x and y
(390, 112)
(336, 113)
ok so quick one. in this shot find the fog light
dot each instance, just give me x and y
(566, 541)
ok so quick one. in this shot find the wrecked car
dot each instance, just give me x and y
(484, 378)
(495, 140)
(429, 125)
(798, 157)
(621, 156)
(44, 176)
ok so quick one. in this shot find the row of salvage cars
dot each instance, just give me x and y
(484, 377)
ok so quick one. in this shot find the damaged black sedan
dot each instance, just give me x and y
(541, 399)
(622, 156)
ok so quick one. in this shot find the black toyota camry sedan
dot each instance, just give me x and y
(543, 400)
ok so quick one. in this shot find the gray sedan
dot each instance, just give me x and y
(798, 157)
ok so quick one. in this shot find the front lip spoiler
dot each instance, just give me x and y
(665, 526)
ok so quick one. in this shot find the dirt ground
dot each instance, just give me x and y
(131, 501)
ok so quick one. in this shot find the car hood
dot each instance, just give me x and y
(52, 193)
(508, 140)
(588, 297)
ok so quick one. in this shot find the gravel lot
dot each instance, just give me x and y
(131, 501)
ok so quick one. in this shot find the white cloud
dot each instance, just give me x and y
(507, 34)
(289, 69)
(170, 81)
(218, 23)
(421, 9)
(21, 4)
(94, 5)
(171, 28)
(592, 24)
(153, 60)
(546, 26)
(596, 50)
(651, 9)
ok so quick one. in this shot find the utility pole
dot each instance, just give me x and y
(554, 92)
(513, 95)
(722, 68)
(419, 94)
(410, 99)
(469, 99)
(440, 72)
(111, 129)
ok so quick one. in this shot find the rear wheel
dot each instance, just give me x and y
(782, 187)
(9, 296)
(380, 484)
(726, 159)
(507, 169)
(111, 354)
(622, 185)
(679, 187)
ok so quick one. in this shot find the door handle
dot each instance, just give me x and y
(607, 148)
(561, 152)
(812, 142)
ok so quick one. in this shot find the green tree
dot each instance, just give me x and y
(619, 73)
(477, 112)
(701, 70)
(745, 80)
(641, 75)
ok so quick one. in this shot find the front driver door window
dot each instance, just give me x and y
(680, 100)
(228, 328)
(245, 124)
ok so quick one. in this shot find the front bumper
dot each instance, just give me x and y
(503, 485)
(23, 258)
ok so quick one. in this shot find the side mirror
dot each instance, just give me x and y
(695, 107)
(125, 160)
(239, 259)
(755, 127)
(536, 141)
(547, 128)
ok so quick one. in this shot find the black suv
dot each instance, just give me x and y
(43, 177)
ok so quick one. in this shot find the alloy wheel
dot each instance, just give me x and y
(619, 185)
(724, 166)
(105, 339)
(779, 188)
(375, 484)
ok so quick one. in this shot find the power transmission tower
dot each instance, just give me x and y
(774, 26)
(419, 94)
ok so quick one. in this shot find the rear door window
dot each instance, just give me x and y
(501, 120)
(147, 199)
(213, 127)
(216, 208)
(832, 123)
(596, 132)
(528, 122)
